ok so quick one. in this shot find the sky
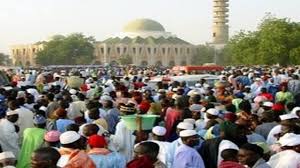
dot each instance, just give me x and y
(29, 21)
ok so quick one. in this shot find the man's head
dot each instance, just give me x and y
(12, 116)
(108, 104)
(13, 105)
(184, 126)
(97, 141)
(148, 148)
(230, 155)
(249, 154)
(267, 116)
(70, 139)
(196, 111)
(39, 121)
(228, 130)
(52, 138)
(45, 158)
(158, 133)
(189, 137)
(263, 90)
(290, 141)
(90, 129)
(93, 113)
(7, 159)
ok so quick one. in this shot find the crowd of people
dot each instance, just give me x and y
(249, 118)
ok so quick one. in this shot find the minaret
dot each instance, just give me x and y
(220, 20)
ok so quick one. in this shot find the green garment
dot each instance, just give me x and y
(33, 138)
(284, 97)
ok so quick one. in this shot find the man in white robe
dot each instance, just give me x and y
(8, 134)
(186, 156)
(178, 142)
(290, 156)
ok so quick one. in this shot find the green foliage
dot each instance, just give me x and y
(72, 49)
(204, 54)
(4, 59)
(125, 60)
(276, 41)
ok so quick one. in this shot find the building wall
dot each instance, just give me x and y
(142, 54)
(164, 54)
(25, 54)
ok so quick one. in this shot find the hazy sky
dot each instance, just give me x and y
(28, 21)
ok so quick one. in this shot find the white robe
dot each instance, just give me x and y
(25, 120)
(285, 159)
(8, 137)
(123, 140)
(163, 150)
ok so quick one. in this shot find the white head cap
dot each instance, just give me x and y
(43, 108)
(196, 107)
(72, 91)
(187, 133)
(185, 126)
(159, 131)
(69, 137)
(213, 111)
(290, 139)
(13, 112)
(295, 110)
(268, 104)
(7, 155)
(189, 120)
(288, 116)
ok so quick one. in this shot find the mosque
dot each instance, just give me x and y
(142, 42)
(145, 42)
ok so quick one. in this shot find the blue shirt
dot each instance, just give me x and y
(61, 124)
(187, 157)
(112, 160)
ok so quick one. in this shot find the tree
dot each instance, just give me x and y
(72, 49)
(277, 40)
(204, 54)
(4, 59)
(125, 60)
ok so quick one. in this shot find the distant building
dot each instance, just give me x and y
(25, 54)
(145, 42)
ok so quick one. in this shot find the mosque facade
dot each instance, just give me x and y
(145, 42)
(141, 42)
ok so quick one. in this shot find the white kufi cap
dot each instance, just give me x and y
(185, 126)
(187, 133)
(288, 116)
(189, 120)
(289, 139)
(11, 113)
(213, 111)
(295, 110)
(7, 155)
(268, 104)
(72, 91)
(69, 137)
(159, 131)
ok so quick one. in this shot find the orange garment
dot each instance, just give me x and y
(77, 159)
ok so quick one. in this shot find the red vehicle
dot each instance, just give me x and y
(197, 69)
